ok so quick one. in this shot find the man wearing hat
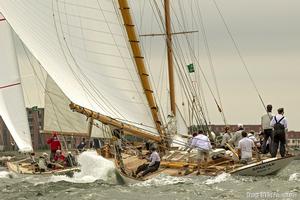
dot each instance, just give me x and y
(279, 123)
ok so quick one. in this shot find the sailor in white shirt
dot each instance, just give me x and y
(245, 148)
(202, 143)
(279, 123)
(153, 166)
(267, 128)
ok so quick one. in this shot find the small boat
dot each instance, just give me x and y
(25, 167)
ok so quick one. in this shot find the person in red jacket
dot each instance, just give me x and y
(59, 159)
(54, 145)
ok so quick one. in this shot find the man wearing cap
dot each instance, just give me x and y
(54, 145)
(279, 123)
(237, 136)
(267, 129)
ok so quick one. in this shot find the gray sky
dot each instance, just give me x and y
(267, 33)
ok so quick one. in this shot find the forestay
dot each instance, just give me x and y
(83, 47)
(12, 106)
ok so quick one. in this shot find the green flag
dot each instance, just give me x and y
(191, 68)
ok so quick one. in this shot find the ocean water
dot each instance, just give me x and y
(97, 181)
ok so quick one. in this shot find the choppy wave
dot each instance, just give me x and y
(163, 179)
(294, 177)
(5, 174)
(218, 179)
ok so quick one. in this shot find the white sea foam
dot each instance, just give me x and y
(161, 180)
(93, 167)
(5, 174)
(218, 179)
(294, 177)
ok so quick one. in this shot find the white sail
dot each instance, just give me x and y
(12, 106)
(84, 48)
(33, 76)
(58, 117)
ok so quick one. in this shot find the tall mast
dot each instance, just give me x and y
(170, 56)
(140, 64)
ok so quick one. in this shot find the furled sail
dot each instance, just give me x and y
(12, 106)
(58, 117)
(83, 47)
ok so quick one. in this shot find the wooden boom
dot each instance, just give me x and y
(128, 129)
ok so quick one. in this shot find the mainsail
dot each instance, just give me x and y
(12, 106)
(84, 49)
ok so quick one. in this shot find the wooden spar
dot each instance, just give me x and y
(139, 61)
(128, 129)
(47, 132)
(163, 34)
(170, 56)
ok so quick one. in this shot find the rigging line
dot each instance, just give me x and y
(84, 76)
(184, 83)
(196, 59)
(202, 96)
(148, 63)
(206, 80)
(162, 21)
(76, 64)
(239, 54)
(210, 59)
(185, 89)
(184, 23)
(187, 77)
(203, 30)
(181, 51)
(152, 79)
(65, 56)
(88, 81)
(161, 18)
(141, 95)
(141, 13)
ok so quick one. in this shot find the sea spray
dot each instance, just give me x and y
(294, 177)
(218, 179)
(92, 167)
(5, 174)
(163, 179)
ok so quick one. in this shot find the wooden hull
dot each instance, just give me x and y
(25, 168)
